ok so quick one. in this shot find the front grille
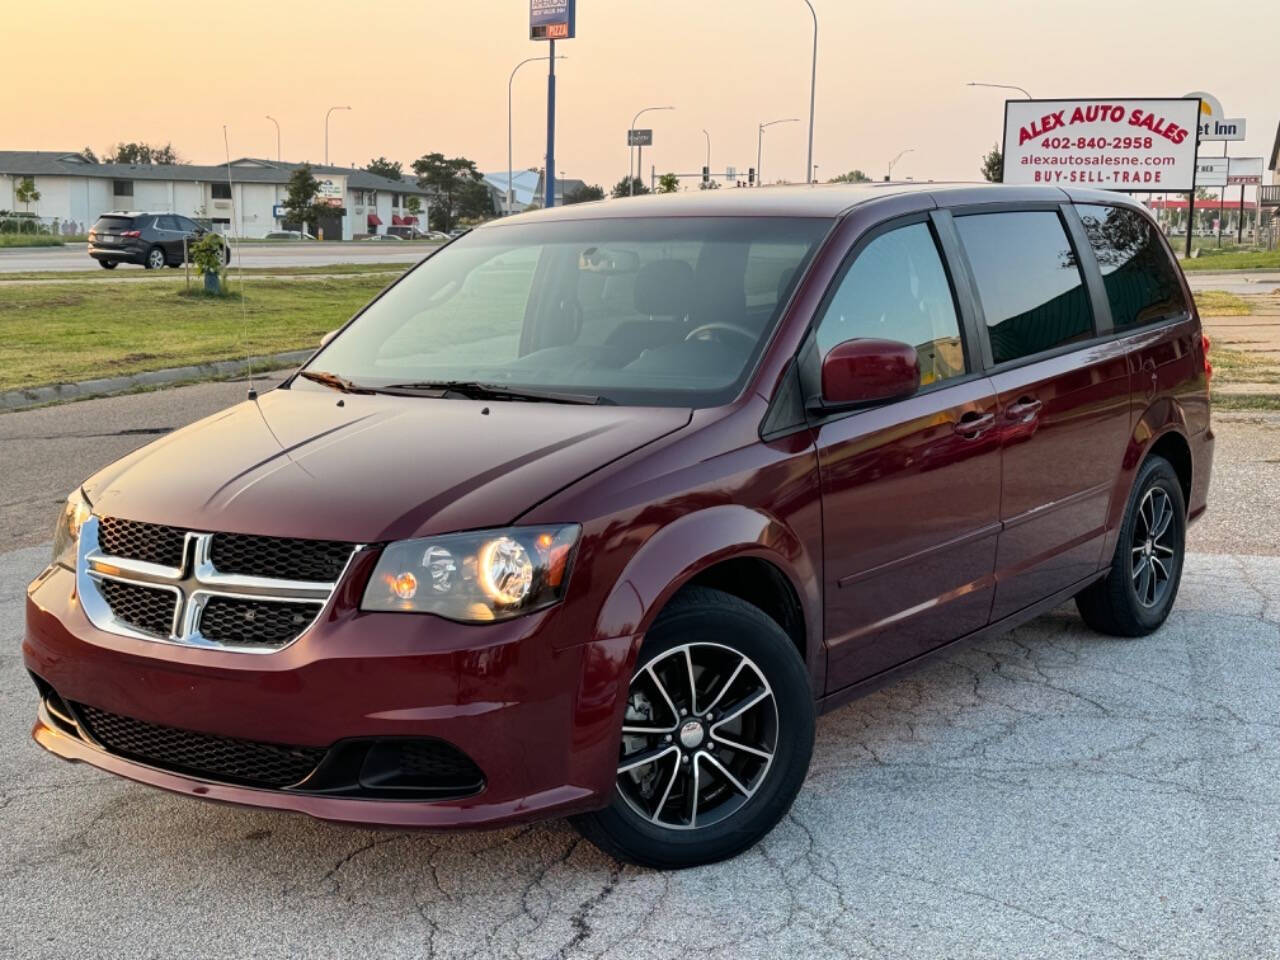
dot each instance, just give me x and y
(284, 558)
(141, 541)
(143, 608)
(184, 751)
(242, 622)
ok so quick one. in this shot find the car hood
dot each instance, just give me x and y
(362, 468)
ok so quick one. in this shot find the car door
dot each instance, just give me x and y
(1062, 386)
(170, 237)
(911, 488)
(191, 232)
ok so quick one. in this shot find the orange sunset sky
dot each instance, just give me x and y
(431, 75)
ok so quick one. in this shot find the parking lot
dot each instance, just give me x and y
(1050, 792)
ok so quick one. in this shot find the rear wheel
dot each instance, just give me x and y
(1137, 594)
(107, 264)
(716, 739)
(155, 258)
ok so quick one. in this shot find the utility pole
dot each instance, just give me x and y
(277, 123)
(813, 90)
(326, 131)
(550, 177)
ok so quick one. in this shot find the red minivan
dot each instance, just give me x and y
(595, 509)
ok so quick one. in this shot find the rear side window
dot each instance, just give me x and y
(897, 289)
(1142, 284)
(1032, 292)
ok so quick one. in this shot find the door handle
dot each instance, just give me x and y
(974, 424)
(1024, 409)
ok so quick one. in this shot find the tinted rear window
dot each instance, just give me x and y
(1032, 292)
(1142, 283)
(113, 224)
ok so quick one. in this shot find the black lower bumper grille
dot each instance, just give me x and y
(200, 754)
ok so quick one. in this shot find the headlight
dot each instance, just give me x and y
(66, 535)
(484, 575)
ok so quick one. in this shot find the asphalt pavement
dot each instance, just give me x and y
(1047, 793)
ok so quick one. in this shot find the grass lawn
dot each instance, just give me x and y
(55, 333)
(30, 240)
(1234, 260)
(1217, 303)
(130, 272)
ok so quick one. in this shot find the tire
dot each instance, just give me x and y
(1135, 597)
(155, 258)
(107, 264)
(737, 655)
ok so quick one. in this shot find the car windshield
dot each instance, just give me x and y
(640, 311)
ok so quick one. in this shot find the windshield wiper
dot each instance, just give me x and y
(475, 390)
(333, 381)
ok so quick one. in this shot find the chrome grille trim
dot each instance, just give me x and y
(192, 585)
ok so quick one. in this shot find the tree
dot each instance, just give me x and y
(413, 204)
(456, 185)
(26, 193)
(628, 186)
(89, 155)
(993, 165)
(383, 167)
(146, 154)
(300, 198)
(853, 176)
(585, 193)
(668, 183)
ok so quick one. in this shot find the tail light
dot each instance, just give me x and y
(132, 233)
(1205, 344)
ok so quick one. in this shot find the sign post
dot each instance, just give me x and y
(1245, 171)
(551, 20)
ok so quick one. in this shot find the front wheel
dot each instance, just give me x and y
(107, 264)
(155, 258)
(716, 739)
(1135, 597)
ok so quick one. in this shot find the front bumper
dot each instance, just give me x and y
(542, 724)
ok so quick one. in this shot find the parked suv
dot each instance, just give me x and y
(151, 239)
(593, 510)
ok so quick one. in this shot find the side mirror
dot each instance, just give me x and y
(324, 341)
(864, 371)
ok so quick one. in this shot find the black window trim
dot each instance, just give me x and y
(1103, 329)
(809, 360)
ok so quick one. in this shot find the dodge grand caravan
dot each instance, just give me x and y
(592, 511)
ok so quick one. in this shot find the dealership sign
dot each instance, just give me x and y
(551, 19)
(1132, 145)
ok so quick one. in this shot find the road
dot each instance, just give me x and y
(1235, 281)
(1048, 793)
(75, 257)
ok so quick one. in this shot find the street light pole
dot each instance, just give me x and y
(326, 131)
(509, 82)
(813, 91)
(900, 155)
(638, 152)
(708, 136)
(1002, 86)
(277, 123)
(760, 146)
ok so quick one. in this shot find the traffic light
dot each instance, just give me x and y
(706, 177)
(751, 176)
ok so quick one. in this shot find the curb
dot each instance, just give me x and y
(107, 386)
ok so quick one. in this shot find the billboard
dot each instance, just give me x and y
(551, 19)
(1116, 144)
(333, 189)
(1211, 172)
(1244, 171)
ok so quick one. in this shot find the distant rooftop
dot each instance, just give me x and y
(72, 163)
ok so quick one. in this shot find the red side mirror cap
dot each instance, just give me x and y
(865, 371)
